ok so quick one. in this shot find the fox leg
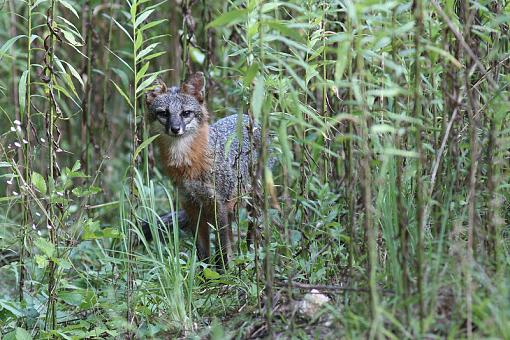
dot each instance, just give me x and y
(203, 241)
(252, 228)
(224, 237)
(199, 227)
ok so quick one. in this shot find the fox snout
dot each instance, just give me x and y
(174, 124)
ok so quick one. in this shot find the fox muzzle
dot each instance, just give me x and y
(174, 124)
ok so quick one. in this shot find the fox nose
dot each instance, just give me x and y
(175, 129)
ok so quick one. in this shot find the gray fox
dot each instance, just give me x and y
(206, 163)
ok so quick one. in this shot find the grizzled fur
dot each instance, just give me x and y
(207, 163)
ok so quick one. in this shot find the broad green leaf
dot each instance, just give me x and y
(71, 298)
(45, 246)
(228, 19)
(196, 55)
(211, 274)
(121, 92)
(90, 230)
(18, 334)
(22, 90)
(39, 182)
(63, 263)
(12, 307)
(42, 261)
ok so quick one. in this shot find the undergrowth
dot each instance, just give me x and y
(387, 122)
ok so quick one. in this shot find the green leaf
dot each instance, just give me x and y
(123, 29)
(250, 74)
(146, 51)
(142, 17)
(445, 54)
(153, 55)
(76, 166)
(90, 230)
(42, 261)
(22, 89)
(89, 299)
(138, 40)
(12, 307)
(144, 145)
(111, 233)
(124, 95)
(8, 44)
(229, 18)
(70, 38)
(196, 55)
(75, 73)
(45, 246)
(71, 298)
(141, 72)
(151, 25)
(132, 11)
(211, 274)
(69, 7)
(285, 30)
(39, 182)
(18, 334)
(146, 83)
(81, 192)
(63, 263)
(37, 3)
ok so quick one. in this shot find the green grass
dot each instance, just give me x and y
(388, 121)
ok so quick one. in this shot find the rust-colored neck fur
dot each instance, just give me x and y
(188, 158)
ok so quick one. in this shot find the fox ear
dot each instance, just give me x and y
(156, 89)
(195, 86)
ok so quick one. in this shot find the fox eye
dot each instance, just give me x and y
(186, 114)
(160, 112)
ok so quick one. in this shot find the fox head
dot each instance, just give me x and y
(177, 111)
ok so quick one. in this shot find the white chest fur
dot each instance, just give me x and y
(178, 149)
